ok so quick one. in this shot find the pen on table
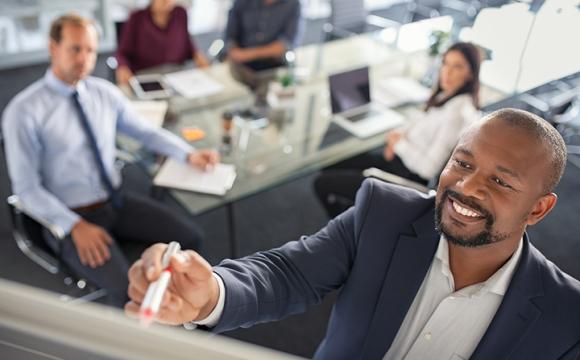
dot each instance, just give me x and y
(156, 289)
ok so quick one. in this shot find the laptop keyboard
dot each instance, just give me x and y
(363, 115)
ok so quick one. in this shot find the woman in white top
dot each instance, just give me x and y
(419, 150)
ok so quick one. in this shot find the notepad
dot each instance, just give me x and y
(152, 111)
(396, 91)
(193, 83)
(217, 181)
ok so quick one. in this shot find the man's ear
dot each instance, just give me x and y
(543, 206)
(52, 47)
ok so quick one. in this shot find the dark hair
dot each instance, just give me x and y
(61, 21)
(544, 134)
(473, 57)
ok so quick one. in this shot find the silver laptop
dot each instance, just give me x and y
(352, 108)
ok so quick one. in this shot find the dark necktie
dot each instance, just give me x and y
(113, 193)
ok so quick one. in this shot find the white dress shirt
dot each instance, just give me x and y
(441, 323)
(446, 324)
(430, 136)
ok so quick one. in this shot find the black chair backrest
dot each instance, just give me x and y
(29, 228)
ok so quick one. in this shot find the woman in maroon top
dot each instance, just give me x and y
(154, 36)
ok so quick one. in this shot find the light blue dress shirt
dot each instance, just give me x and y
(49, 159)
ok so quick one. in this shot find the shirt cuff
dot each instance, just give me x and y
(67, 222)
(181, 153)
(214, 317)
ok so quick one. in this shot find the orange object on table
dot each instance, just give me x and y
(192, 133)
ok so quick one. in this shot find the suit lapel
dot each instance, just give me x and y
(516, 314)
(410, 261)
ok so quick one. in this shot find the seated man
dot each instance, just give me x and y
(447, 277)
(258, 34)
(60, 148)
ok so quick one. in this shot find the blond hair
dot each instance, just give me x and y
(72, 19)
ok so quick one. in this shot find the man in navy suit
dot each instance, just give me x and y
(420, 277)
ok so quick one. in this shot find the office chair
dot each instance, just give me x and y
(463, 12)
(111, 61)
(216, 51)
(27, 231)
(398, 180)
(349, 17)
(568, 124)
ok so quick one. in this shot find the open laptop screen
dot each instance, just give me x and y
(349, 89)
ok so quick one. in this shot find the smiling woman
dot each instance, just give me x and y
(418, 150)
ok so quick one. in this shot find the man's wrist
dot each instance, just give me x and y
(214, 316)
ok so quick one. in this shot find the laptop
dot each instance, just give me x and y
(352, 109)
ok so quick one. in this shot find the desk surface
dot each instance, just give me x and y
(301, 138)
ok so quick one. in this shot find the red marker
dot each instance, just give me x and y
(156, 290)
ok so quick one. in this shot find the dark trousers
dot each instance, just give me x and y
(139, 221)
(337, 185)
(255, 75)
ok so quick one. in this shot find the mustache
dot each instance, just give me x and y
(469, 202)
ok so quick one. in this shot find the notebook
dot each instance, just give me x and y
(352, 108)
(178, 175)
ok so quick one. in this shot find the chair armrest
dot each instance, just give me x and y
(535, 102)
(395, 179)
(329, 29)
(471, 8)
(55, 230)
(125, 156)
(382, 22)
(217, 51)
(423, 10)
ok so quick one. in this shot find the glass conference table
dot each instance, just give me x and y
(299, 138)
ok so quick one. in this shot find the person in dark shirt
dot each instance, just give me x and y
(258, 35)
(155, 36)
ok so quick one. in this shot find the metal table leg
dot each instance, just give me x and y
(234, 246)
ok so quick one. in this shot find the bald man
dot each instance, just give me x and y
(451, 276)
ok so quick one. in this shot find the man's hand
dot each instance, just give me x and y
(239, 55)
(92, 243)
(122, 75)
(203, 159)
(392, 138)
(192, 294)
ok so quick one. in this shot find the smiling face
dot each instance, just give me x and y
(454, 73)
(493, 186)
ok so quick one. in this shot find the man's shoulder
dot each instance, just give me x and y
(384, 199)
(558, 299)
(102, 85)
(27, 98)
(556, 283)
(381, 189)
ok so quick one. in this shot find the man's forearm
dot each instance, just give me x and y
(276, 49)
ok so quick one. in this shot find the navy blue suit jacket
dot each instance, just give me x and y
(378, 253)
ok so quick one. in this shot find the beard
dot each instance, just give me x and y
(484, 237)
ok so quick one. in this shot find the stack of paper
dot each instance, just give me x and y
(396, 91)
(152, 111)
(216, 181)
(193, 83)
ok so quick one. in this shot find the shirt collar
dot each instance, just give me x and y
(61, 87)
(498, 282)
